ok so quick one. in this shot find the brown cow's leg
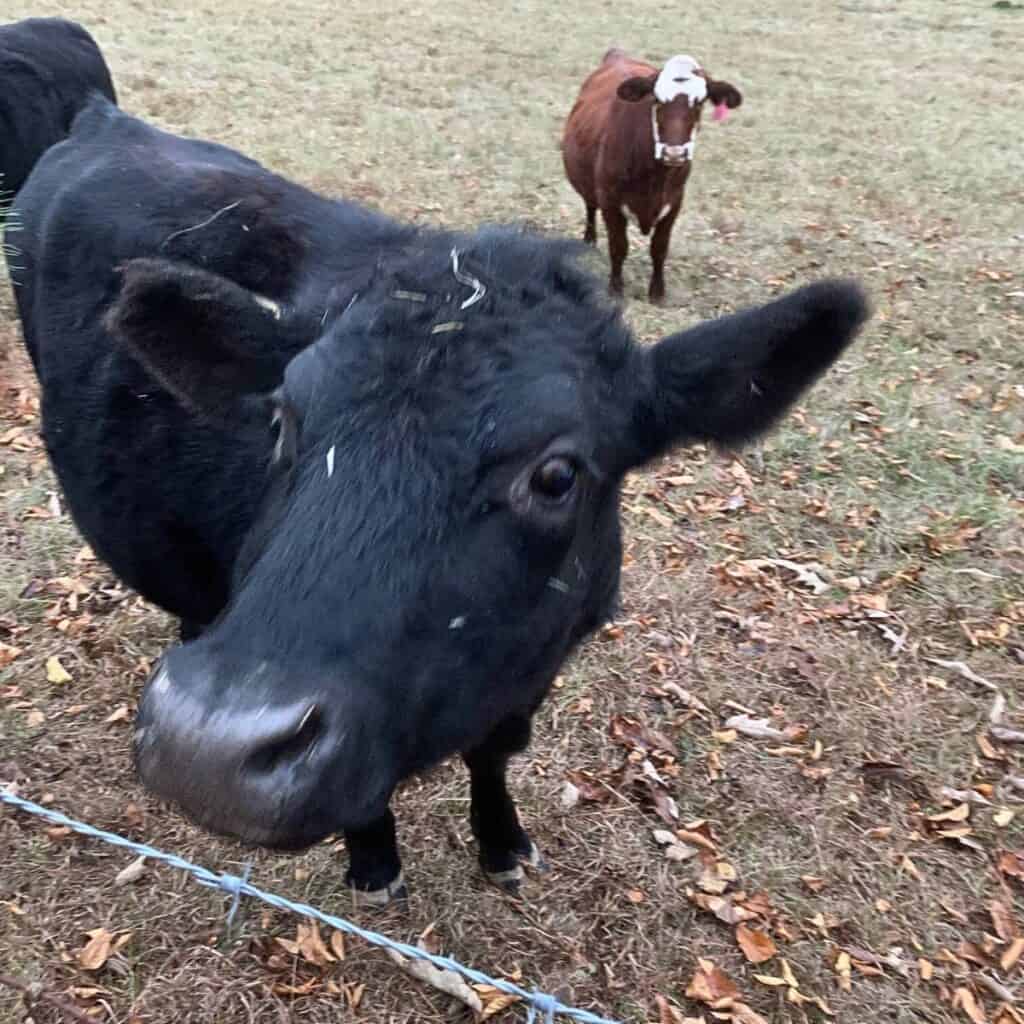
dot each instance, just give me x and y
(659, 249)
(504, 845)
(590, 232)
(618, 245)
(375, 871)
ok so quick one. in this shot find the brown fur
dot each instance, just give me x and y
(608, 153)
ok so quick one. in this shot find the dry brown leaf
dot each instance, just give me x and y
(843, 967)
(787, 974)
(667, 1014)
(496, 1002)
(282, 989)
(756, 728)
(1011, 864)
(963, 999)
(1003, 921)
(121, 714)
(1012, 954)
(770, 980)
(907, 865)
(310, 946)
(743, 1014)
(721, 906)
(8, 654)
(55, 671)
(338, 945)
(959, 813)
(710, 984)
(132, 873)
(925, 968)
(757, 946)
(1003, 817)
(446, 981)
(695, 838)
(96, 952)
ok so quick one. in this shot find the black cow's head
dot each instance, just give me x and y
(441, 516)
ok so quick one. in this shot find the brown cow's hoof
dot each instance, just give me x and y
(378, 899)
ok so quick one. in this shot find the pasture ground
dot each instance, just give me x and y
(876, 140)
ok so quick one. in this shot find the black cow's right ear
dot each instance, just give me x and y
(207, 340)
(632, 90)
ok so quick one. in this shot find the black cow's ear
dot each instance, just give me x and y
(634, 89)
(729, 380)
(724, 92)
(207, 340)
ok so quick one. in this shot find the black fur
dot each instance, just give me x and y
(381, 551)
(48, 69)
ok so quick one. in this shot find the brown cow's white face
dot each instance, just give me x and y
(677, 95)
(679, 90)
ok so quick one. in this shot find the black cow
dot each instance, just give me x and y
(373, 468)
(48, 69)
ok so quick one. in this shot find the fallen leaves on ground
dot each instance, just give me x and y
(101, 946)
(55, 671)
(757, 946)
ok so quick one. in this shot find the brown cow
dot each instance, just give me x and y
(628, 148)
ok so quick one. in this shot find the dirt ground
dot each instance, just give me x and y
(855, 583)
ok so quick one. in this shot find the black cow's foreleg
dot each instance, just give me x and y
(375, 870)
(504, 845)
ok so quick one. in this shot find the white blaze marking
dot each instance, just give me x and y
(663, 212)
(330, 462)
(679, 78)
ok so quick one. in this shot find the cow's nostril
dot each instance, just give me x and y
(287, 745)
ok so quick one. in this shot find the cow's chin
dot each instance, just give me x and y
(675, 161)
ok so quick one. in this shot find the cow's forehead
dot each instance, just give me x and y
(681, 76)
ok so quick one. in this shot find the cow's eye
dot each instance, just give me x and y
(554, 479)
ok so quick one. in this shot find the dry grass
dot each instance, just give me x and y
(889, 156)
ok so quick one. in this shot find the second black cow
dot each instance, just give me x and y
(49, 67)
(374, 469)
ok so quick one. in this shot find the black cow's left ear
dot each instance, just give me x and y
(632, 90)
(207, 340)
(728, 380)
(724, 92)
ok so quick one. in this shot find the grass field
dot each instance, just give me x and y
(877, 140)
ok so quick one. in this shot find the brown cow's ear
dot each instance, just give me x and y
(724, 92)
(634, 89)
(207, 340)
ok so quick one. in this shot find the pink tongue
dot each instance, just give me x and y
(721, 112)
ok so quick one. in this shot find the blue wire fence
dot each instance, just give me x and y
(237, 887)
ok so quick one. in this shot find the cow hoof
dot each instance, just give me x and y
(378, 899)
(511, 879)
